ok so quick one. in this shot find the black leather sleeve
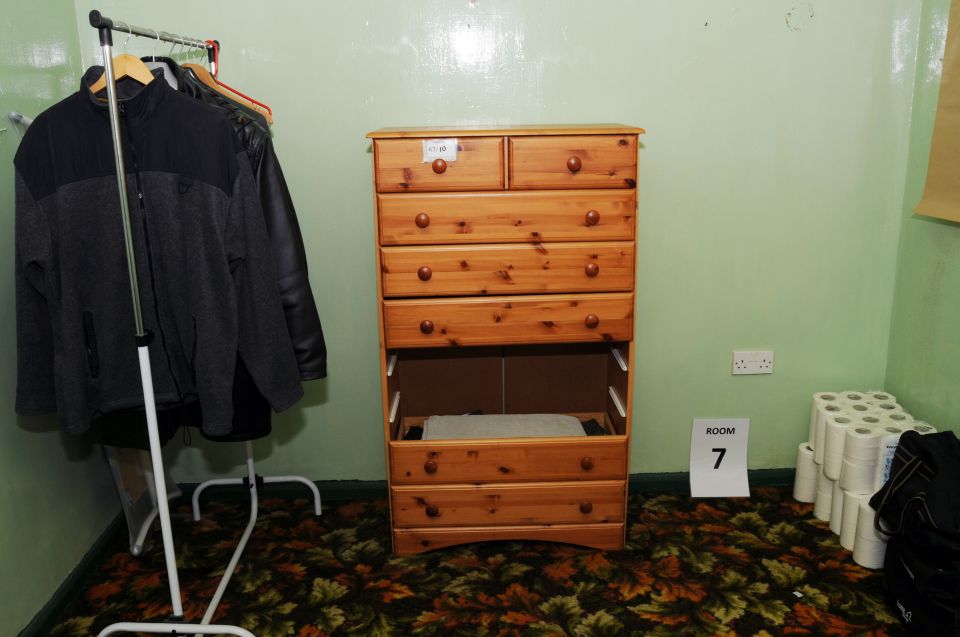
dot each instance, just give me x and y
(286, 242)
(300, 309)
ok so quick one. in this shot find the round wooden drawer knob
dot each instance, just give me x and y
(426, 327)
(586, 507)
(592, 270)
(422, 220)
(586, 463)
(430, 466)
(439, 166)
(574, 164)
(424, 273)
(432, 511)
(591, 321)
(592, 217)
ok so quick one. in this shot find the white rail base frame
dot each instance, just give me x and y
(251, 482)
(225, 482)
(174, 629)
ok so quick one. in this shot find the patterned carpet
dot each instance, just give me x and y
(759, 566)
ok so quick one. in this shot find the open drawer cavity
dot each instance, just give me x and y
(584, 380)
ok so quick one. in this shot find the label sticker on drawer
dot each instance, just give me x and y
(445, 149)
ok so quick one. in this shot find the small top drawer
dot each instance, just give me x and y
(573, 161)
(400, 166)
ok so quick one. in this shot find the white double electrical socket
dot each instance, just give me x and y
(754, 362)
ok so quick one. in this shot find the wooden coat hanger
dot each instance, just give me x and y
(124, 65)
(204, 76)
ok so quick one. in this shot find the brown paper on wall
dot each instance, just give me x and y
(941, 195)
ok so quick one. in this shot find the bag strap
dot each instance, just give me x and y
(895, 484)
(920, 497)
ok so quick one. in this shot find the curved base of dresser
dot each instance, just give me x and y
(419, 540)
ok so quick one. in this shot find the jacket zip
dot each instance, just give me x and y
(146, 239)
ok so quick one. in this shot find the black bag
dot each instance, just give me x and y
(923, 492)
(919, 507)
(909, 584)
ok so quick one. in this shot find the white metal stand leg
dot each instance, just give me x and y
(251, 482)
(317, 510)
(217, 482)
(232, 566)
(137, 547)
(163, 506)
(223, 482)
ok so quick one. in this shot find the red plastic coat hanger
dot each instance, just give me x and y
(216, 69)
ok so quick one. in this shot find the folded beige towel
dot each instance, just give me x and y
(501, 426)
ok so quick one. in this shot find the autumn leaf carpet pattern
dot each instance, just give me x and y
(691, 567)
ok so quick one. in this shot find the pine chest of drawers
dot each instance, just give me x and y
(506, 286)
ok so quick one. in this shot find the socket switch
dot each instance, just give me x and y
(756, 362)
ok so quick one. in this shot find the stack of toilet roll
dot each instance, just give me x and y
(853, 437)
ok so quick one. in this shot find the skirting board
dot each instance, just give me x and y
(331, 491)
(344, 490)
(680, 481)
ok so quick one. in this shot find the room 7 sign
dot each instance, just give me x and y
(718, 458)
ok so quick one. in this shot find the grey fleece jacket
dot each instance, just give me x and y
(207, 280)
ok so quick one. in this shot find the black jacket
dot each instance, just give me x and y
(252, 414)
(300, 309)
(206, 273)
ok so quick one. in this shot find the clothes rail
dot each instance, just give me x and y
(143, 338)
(101, 22)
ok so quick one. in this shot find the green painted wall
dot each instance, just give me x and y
(55, 492)
(924, 364)
(770, 188)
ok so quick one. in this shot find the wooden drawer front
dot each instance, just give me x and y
(599, 536)
(576, 161)
(495, 504)
(400, 166)
(507, 269)
(553, 318)
(504, 460)
(508, 217)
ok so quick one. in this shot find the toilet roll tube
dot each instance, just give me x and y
(819, 399)
(878, 396)
(897, 419)
(851, 397)
(860, 458)
(823, 412)
(889, 440)
(836, 508)
(861, 442)
(869, 546)
(848, 522)
(833, 445)
(886, 407)
(808, 472)
(824, 500)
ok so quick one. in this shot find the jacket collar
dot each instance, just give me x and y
(138, 102)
